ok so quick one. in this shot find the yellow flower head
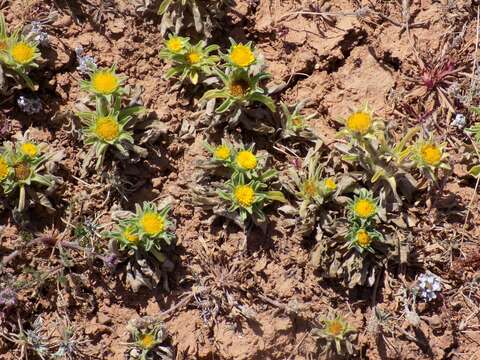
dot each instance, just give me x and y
(152, 223)
(105, 82)
(22, 171)
(244, 195)
(22, 53)
(147, 341)
(239, 87)
(29, 149)
(175, 44)
(130, 236)
(222, 152)
(107, 128)
(4, 169)
(431, 154)
(194, 57)
(246, 160)
(335, 327)
(310, 188)
(297, 121)
(242, 56)
(330, 184)
(359, 122)
(364, 208)
(363, 239)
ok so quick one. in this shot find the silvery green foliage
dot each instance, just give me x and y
(428, 286)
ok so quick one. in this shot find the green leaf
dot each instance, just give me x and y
(276, 196)
(164, 6)
(265, 100)
(475, 171)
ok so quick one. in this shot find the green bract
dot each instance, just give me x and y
(22, 167)
(240, 90)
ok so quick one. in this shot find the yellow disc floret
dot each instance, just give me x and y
(3, 44)
(105, 82)
(363, 239)
(130, 236)
(239, 87)
(330, 184)
(22, 171)
(22, 53)
(334, 328)
(431, 154)
(29, 149)
(152, 223)
(222, 152)
(364, 208)
(147, 341)
(359, 122)
(246, 160)
(175, 44)
(244, 195)
(297, 121)
(194, 57)
(310, 188)
(242, 56)
(4, 169)
(107, 128)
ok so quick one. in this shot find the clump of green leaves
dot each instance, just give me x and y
(140, 240)
(294, 123)
(192, 62)
(386, 162)
(18, 55)
(336, 336)
(110, 125)
(475, 131)
(352, 250)
(148, 340)
(24, 171)
(247, 190)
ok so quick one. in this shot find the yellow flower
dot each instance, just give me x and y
(362, 238)
(297, 121)
(222, 152)
(244, 195)
(246, 160)
(242, 56)
(29, 149)
(431, 154)
(152, 223)
(130, 236)
(4, 169)
(330, 184)
(239, 88)
(22, 53)
(194, 57)
(335, 327)
(105, 82)
(107, 128)
(147, 341)
(359, 122)
(310, 188)
(364, 208)
(174, 44)
(22, 171)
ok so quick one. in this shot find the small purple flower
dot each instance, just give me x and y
(8, 298)
(37, 33)
(29, 104)
(428, 286)
(86, 63)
